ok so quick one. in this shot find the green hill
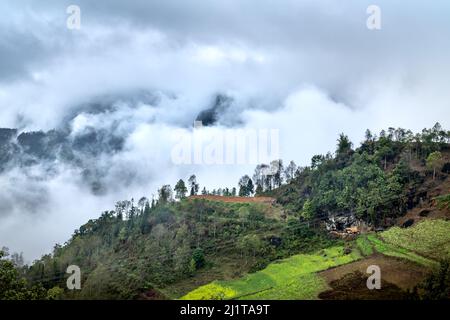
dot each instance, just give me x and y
(209, 249)
(170, 249)
(297, 277)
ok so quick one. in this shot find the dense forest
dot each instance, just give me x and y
(382, 178)
(166, 246)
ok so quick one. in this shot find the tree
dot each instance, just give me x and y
(317, 160)
(17, 259)
(368, 135)
(344, 145)
(289, 172)
(268, 180)
(123, 209)
(434, 161)
(343, 150)
(14, 287)
(439, 135)
(259, 190)
(180, 190)
(250, 187)
(132, 211)
(276, 168)
(402, 171)
(145, 224)
(193, 185)
(369, 142)
(385, 150)
(307, 212)
(119, 210)
(198, 259)
(245, 186)
(259, 177)
(141, 204)
(250, 245)
(165, 194)
(204, 191)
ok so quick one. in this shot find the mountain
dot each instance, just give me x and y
(212, 115)
(90, 134)
(385, 202)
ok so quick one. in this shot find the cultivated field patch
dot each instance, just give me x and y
(291, 278)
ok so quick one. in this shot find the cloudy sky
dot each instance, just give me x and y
(309, 69)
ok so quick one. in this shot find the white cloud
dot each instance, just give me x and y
(310, 69)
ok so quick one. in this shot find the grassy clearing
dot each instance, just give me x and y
(291, 278)
(394, 251)
(364, 246)
(429, 238)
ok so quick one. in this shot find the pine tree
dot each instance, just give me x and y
(180, 190)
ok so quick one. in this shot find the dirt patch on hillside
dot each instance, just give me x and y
(267, 200)
(399, 272)
(353, 286)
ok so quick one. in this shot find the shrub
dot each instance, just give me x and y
(198, 258)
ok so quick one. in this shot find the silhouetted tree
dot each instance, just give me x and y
(180, 190)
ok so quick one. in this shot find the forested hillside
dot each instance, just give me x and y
(381, 179)
(166, 247)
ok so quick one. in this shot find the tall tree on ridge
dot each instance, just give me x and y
(180, 190)
(165, 194)
(193, 185)
(244, 186)
(289, 172)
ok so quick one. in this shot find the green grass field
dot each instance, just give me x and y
(399, 252)
(425, 243)
(364, 245)
(296, 277)
(291, 278)
(429, 238)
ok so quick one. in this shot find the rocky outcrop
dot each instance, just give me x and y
(340, 222)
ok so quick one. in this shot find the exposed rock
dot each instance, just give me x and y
(340, 223)
(408, 223)
(275, 241)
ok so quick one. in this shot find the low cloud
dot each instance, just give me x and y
(138, 71)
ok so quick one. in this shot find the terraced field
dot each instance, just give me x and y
(415, 250)
(429, 238)
(292, 278)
